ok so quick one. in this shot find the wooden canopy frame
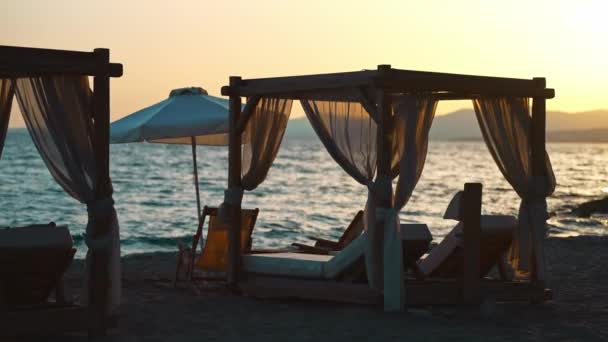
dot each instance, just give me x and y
(376, 89)
(19, 62)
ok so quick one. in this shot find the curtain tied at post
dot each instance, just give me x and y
(380, 189)
(532, 216)
(99, 209)
(233, 197)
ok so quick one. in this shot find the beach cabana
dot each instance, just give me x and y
(189, 116)
(69, 124)
(375, 124)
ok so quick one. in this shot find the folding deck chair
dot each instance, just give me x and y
(323, 246)
(211, 263)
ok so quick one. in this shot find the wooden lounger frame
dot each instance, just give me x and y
(379, 87)
(470, 289)
(18, 62)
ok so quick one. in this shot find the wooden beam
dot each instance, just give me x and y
(99, 285)
(471, 87)
(394, 81)
(247, 113)
(24, 62)
(384, 142)
(459, 96)
(278, 85)
(538, 156)
(471, 217)
(420, 293)
(368, 104)
(234, 180)
(407, 76)
(383, 170)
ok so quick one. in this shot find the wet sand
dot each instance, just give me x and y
(153, 310)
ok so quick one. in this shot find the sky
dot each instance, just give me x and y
(171, 44)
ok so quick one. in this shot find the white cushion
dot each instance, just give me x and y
(36, 237)
(286, 264)
(300, 265)
(345, 258)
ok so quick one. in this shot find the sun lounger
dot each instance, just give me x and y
(416, 238)
(212, 262)
(446, 259)
(323, 246)
(32, 262)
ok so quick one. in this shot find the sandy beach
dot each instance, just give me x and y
(153, 310)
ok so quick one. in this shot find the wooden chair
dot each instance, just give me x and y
(323, 246)
(212, 262)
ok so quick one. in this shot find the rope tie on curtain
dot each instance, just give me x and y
(380, 187)
(233, 197)
(98, 209)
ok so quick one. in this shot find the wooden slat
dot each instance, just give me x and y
(234, 180)
(286, 288)
(418, 293)
(424, 293)
(471, 217)
(23, 62)
(43, 321)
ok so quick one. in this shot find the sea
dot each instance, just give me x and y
(305, 193)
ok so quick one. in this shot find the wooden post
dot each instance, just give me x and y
(384, 198)
(234, 180)
(471, 217)
(99, 286)
(384, 142)
(538, 155)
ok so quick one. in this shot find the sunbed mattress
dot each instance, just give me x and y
(310, 266)
(36, 237)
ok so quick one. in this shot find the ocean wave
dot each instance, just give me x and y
(305, 193)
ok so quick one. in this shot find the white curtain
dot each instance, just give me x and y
(57, 113)
(413, 116)
(505, 125)
(262, 138)
(413, 119)
(349, 134)
(6, 101)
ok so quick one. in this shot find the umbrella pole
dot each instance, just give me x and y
(198, 197)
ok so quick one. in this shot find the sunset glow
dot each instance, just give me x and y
(164, 46)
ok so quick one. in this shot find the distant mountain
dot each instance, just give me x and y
(589, 126)
(599, 135)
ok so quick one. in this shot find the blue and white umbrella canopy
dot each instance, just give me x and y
(189, 116)
(188, 113)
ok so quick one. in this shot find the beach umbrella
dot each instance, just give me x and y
(189, 116)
